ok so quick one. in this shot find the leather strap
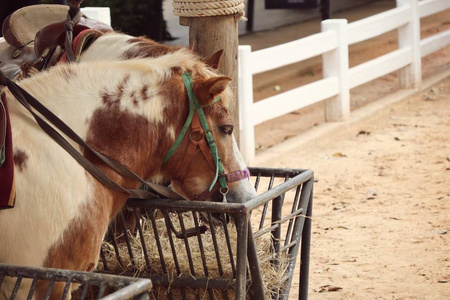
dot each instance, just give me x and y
(238, 175)
(2, 133)
(73, 17)
(29, 101)
(193, 144)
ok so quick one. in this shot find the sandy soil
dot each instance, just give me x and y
(381, 227)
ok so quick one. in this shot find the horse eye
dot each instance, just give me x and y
(227, 129)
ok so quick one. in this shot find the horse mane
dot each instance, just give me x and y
(160, 68)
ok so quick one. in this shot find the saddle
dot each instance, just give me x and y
(37, 35)
(35, 38)
(7, 187)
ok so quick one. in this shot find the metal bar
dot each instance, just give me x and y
(228, 240)
(241, 257)
(63, 275)
(264, 212)
(257, 180)
(158, 243)
(185, 205)
(257, 287)
(294, 206)
(103, 258)
(50, 287)
(32, 288)
(305, 251)
(66, 289)
(16, 287)
(202, 252)
(305, 198)
(224, 295)
(127, 239)
(215, 244)
(277, 206)
(276, 171)
(101, 291)
(186, 244)
(172, 247)
(84, 290)
(142, 238)
(197, 283)
(230, 208)
(115, 246)
(200, 245)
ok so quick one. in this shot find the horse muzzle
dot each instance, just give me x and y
(239, 189)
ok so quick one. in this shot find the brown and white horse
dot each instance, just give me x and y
(131, 110)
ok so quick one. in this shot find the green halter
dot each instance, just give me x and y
(194, 106)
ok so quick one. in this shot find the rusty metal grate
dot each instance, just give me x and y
(92, 285)
(188, 256)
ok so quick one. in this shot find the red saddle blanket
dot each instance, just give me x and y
(7, 188)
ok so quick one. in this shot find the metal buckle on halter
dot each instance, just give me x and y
(224, 192)
(194, 138)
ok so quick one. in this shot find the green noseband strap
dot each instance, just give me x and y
(194, 106)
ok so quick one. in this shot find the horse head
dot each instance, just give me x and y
(204, 162)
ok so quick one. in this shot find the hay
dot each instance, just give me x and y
(273, 276)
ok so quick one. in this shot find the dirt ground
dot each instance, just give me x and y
(380, 218)
(381, 223)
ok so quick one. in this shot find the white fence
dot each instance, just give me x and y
(333, 43)
(98, 13)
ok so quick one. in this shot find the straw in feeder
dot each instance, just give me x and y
(189, 255)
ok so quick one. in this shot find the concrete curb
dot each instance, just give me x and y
(267, 156)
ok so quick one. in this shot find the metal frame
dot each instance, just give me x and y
(289, 232)
(126, 287)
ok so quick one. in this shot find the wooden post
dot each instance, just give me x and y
(207, 35)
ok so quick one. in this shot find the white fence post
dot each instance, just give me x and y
(335, 64)
(245, 99)
(409, 36)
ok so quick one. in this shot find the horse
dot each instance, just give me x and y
(132, 110)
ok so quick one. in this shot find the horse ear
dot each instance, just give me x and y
(214, 60)
(208, 90)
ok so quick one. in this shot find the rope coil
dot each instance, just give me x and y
(208, 8)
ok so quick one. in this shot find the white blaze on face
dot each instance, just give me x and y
(238, 156)
(242, 190)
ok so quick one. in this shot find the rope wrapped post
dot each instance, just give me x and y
(213, 27)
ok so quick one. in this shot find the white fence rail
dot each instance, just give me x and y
(332, 43)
